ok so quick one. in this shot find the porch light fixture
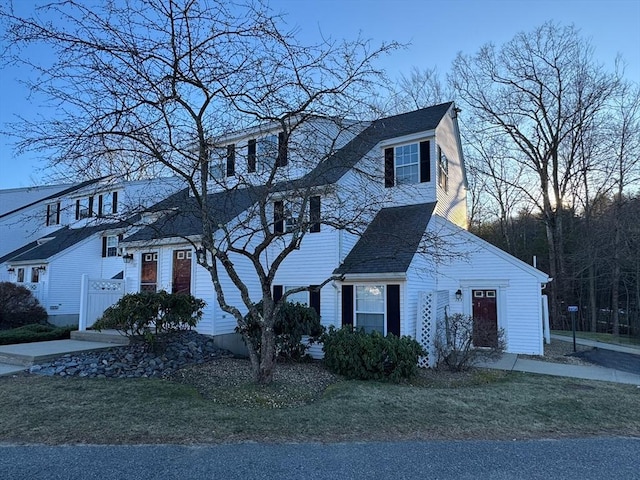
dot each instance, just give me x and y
(11, 269)
(458, 295)
(42, 268)
(128, 257)
(201, 255)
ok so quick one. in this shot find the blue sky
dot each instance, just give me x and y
(435, 29)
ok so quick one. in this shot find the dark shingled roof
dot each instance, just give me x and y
(389, 242)
(331, 170)
(185, 217)
(60, 240)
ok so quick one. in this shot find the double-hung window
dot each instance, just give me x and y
(107, 204)
(370, 308)
(407, 164)
(443, 169)
(286, 215)
(84, 208)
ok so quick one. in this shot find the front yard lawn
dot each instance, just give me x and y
(216, 402)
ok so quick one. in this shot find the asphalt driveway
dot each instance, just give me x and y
(627, 362)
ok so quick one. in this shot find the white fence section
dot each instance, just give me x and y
(37, 289)
(432, 309)
(96, 295)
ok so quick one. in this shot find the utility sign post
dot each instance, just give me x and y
(572, 310)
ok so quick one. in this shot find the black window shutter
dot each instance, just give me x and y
(278, 216)
(115, 202)
(251, 155)
(425, 162)
(231, 160)
(100, 205)
(314, 214)
(347, 305)
(277, 292)
(58, 214)
(393, 309)
(388, 168)
(282, 159)
(78, 209)
(314, 298)
(104, 246)
(91, 206)
(120, 237)
(48, 213)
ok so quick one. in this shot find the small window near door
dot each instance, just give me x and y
(20, 275)
(478, 293)
(35, 274)
(149, 272)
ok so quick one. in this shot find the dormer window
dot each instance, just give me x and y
(222, 162)
(84, 208)
(107, 204)
(286, 215)
(267, 150)
(407, 164)
(53, 214)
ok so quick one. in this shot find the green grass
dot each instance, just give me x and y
(493, 405)
(34, 333)
(601, 337)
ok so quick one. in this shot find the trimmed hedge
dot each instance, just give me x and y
(148, 314)
(370, 356)
(34, 333)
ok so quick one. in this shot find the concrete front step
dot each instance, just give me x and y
(105, 336)
(27, 354)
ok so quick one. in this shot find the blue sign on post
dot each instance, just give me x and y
(572, 308)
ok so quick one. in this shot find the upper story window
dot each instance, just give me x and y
(110, 245)
(286, 215)
(107, 204)
(222, 162)
(53, 214)
(84, 208)
(264, 151)
(407, 164)
(443, 169)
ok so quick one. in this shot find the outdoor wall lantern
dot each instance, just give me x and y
(128, 257)
(11, 269)
(201, 255)
(458, 295)
(42, 268)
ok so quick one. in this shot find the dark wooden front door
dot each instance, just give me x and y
(149, 273)
(181, 272)
(485, 318)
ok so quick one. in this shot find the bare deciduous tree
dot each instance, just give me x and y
(158, 86)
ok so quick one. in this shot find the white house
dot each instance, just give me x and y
(77, 231)
(401, 180)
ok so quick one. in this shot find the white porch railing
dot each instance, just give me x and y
(96, 295)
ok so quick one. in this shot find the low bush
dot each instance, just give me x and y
(455, 346)
(34, 333)
(295, 322)
(19, 307)
(370, 356)
(149, 314)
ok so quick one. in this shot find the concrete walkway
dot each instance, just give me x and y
(512, 362)
(16, 358)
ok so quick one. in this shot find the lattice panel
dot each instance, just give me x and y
(106, 285)
(426, 328)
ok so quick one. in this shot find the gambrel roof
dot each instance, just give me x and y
(389, 242)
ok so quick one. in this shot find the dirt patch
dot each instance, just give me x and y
(561, 352)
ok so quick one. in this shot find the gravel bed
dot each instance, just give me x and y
(136, 360)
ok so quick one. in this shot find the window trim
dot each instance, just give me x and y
(50, 211)
(443, 170)
(391, 166)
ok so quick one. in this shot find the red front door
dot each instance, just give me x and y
(485, 318)
(181, 272)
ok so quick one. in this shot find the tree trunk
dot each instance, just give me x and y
(593, 306)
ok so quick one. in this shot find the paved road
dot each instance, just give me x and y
(626, 362)
(541, 459)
